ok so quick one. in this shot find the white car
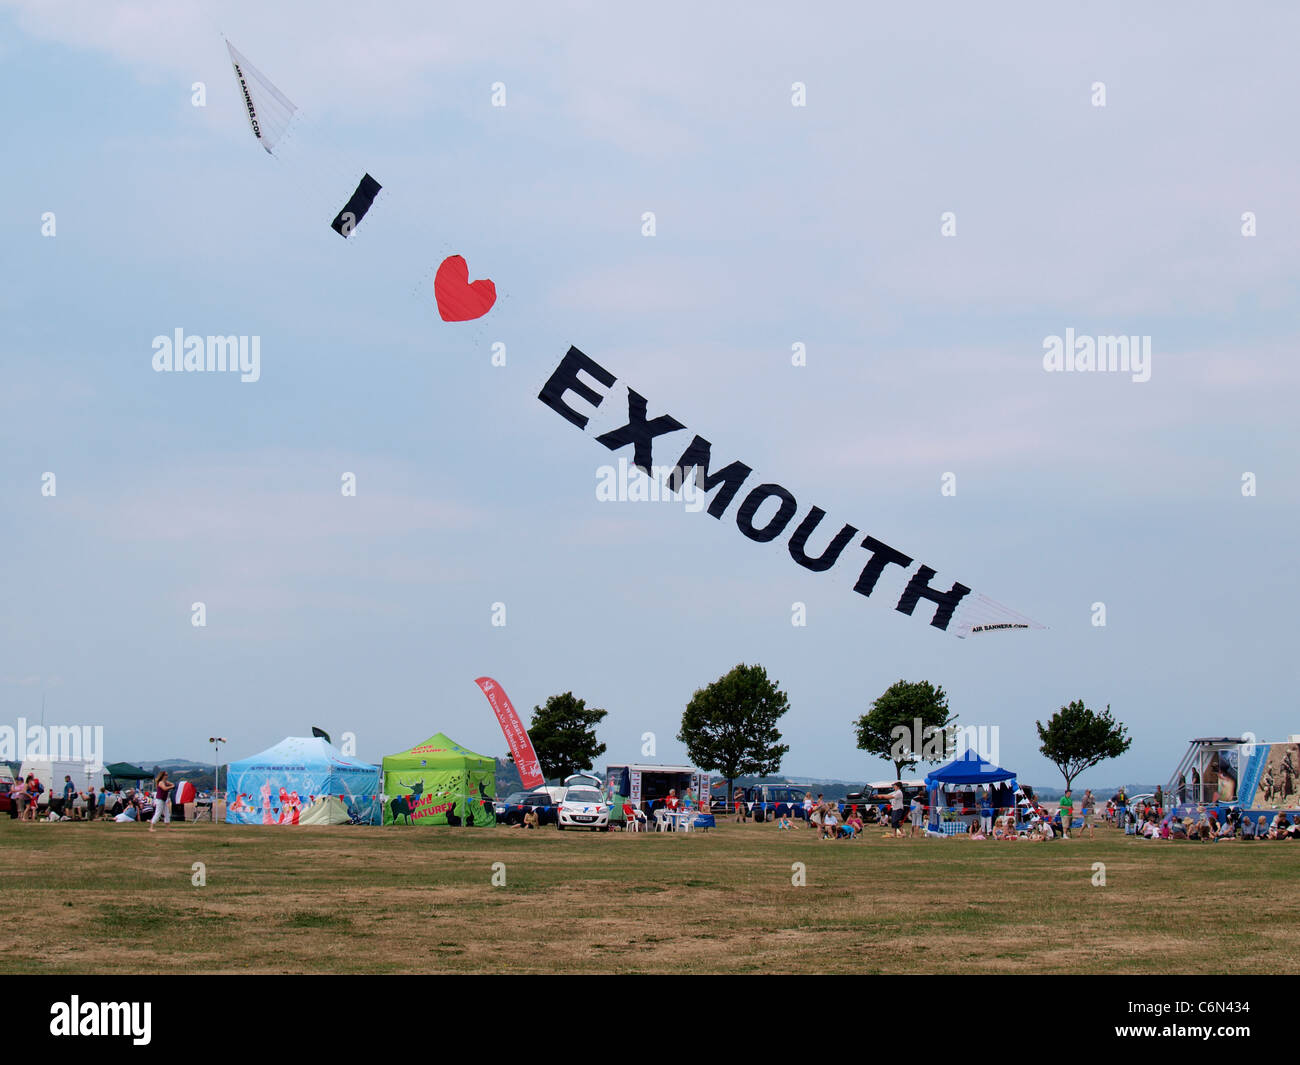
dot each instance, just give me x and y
(583, 806)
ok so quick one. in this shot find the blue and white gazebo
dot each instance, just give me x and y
(970, 768)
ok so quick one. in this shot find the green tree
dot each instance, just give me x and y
(889, 729)
(730, 726)
(564, 735)
(1076, 738)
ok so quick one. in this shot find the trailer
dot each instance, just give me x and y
(1238, 771)
(650, 783)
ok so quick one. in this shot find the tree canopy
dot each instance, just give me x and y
(730, 725)
(890, 730)
(564, 735)
(1076, 738)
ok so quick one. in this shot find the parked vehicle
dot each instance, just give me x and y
(544, 800)
(778, 800)
(877, 793)
(583, 806)
(7, 805)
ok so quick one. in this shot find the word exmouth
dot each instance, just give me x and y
(956, 608)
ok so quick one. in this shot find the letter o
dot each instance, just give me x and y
(755, 499)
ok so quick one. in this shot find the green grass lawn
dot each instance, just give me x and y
(114, 898)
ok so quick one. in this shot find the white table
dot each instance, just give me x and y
(680, 820)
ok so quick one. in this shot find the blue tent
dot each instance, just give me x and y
(970, 768)
(302, 780)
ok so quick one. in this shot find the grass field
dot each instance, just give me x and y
(113, 898)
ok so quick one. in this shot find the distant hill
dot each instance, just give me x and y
(178, 765)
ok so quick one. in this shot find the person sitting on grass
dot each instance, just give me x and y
(130, 811)
(530, 818)
(1226, 831)
(976, 831)
(1000, 829)
(785, 821)
(853, 823)
(830, 822)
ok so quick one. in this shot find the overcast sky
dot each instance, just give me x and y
(775, 225)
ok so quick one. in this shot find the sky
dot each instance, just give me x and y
(775, 225)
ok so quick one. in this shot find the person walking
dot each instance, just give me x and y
(918, 817)
(1067, 813)
(1089, 812)
(162, 794)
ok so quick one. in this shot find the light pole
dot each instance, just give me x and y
(216, 742)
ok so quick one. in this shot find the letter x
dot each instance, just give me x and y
(638, 431)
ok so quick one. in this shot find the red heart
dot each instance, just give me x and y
(458, 300)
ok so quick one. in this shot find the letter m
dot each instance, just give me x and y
(115, 1018)
(695, 459)
(65, 743)
(223, 353)
(1112, 353)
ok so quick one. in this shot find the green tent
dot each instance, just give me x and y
(439, 782)
(126, 773)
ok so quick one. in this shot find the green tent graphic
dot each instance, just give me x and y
(439, 782)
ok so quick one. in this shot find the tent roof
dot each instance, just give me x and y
(970, 768)
(126, 771)
(297, 752)
(438, 750)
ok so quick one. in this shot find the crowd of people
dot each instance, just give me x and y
(1210, 827)
(71, 804)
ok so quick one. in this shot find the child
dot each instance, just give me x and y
(785, 821)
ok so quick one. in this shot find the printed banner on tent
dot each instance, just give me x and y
(439, 782)
(301, 781)
(521, 747)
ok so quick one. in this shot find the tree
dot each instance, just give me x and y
(730, 726)
(1076, 738)
(564, 735)
(906, 724)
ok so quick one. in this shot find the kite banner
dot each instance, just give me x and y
(521, 747)
(269, 111)
(890, 573)
(355, 209)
